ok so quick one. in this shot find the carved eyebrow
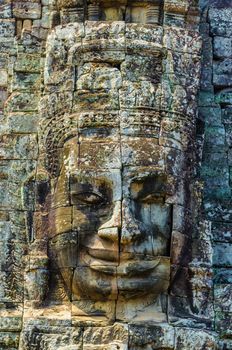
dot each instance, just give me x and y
(148, 185)
(152, 198)
(80, 184)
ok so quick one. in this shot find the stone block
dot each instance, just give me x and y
(137, 33)
(225, 344)
(222, 298)
(3, 77)
(5, 11)
(182, 65)
(222, 73)
(46, 17)
(227, 115)
(100, 155)
(27, 63)
(7, 45)
(171, 136)
(11, 317)
(95, 313)
(7, 28)
(55, 104)
(134, 150)
(22, 102)
(29, 43)
(191, 312)
(181, 249)
(136, 68)
(201, 281)
(223, 321)
(4, 61)
(61, 219)
(23, 81)
(151, 336)
(63, 247)
(49, 335)
(222, 276)
(19, 146)
(206, 99)
(12, 256)
(3, 97)
(9, 340)
(220, 21)
(222, 47)
(26, 9)
(71, 15)
(206, 83)
(89, 284)
(211, 116)
(59, 79)
(218, 212)
(228, 129)
(222, 232)
(103, 101)
(188, 41)
(224, 97)
(180, 281)
(11, 286)
(111, 337)
(11, 230)
(192, 339)
(213, 175)
(214, 139)
(143, 94)
(196, 282)
(98, 77)
(23, 122)
(207, 50)
(222, 255)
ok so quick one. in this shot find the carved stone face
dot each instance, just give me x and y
(116, 124)
(110, 222)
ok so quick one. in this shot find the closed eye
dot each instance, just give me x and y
(88, 198)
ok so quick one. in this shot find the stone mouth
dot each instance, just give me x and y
(125, 269)
(127, 265)
(103, 257)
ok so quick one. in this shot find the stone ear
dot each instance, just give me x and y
(35, 193)
(36, 274)
(35, 190)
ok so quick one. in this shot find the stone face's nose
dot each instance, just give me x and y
(110, 229)
(130, 231)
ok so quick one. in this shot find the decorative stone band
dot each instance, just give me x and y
(156, 10)
(56, 130)
(113, 45)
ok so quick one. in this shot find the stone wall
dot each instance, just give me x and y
(215, 164)
(36, 86)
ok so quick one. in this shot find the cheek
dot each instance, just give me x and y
(90, 219)
(60, 221)
(80, 220)
(155, 217)
(63, 250)
(155, 223)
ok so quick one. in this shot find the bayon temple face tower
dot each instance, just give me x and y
(109, 247)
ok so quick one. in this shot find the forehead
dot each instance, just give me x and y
(88, 153)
